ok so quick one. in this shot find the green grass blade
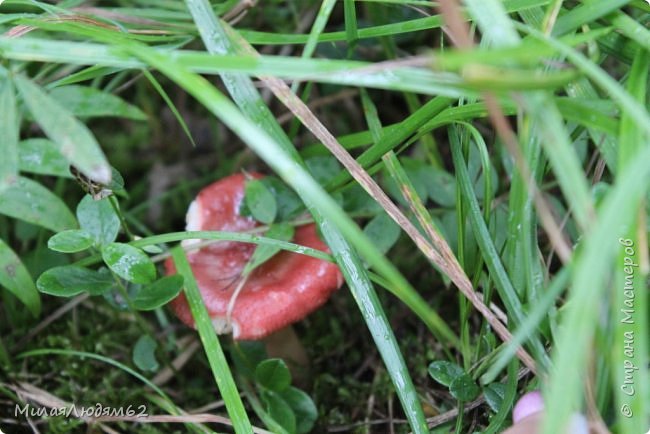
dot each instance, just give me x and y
(216, 357)
(631, 296)
(170, 104)
(634, 109)
(340, 72)
(418, 24)
(491, 257)
(589, 282)
(351, 31)
(499, 30)
(631, 28)
(231, 236)
(529, 325)
(98, 357)
(317, 29)
(392, 138)
(587, 12)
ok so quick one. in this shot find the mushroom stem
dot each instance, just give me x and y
(286, 345)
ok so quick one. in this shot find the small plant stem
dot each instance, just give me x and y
(116, 208)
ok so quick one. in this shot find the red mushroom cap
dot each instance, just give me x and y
(281, 291)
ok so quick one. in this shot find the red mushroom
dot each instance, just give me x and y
(281, 291)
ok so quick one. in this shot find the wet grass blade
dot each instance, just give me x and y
(599, 248)
(418, 24)
(631, 272)
(491, 257)
(216, 357)
(170, 104)
(587, 12)
(317, 29)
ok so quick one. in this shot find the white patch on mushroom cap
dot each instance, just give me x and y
(222, 326)
(193, 222)
(578, 424)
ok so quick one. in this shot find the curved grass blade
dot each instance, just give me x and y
(170, 104)
(216, 236)
(418, 24)
(98, 357)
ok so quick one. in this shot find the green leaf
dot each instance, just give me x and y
(30, 201)
(382, 231)
(98, 218)
(323, 168)
(42, 156)
(9, 133)
(129, 262)
(71, 241)
(158, 293)
(445, 372)
(88, 102)
(441, 187)
(260, 201)
(15, 277)
(464, 388)
(264, 252)
(246, 355)
(144, 354)
(288, 202)
(303, 408)
(117, 182)
(279, 410)
(494, 394)
(273, 374)
(74, 139)
(70, 280)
